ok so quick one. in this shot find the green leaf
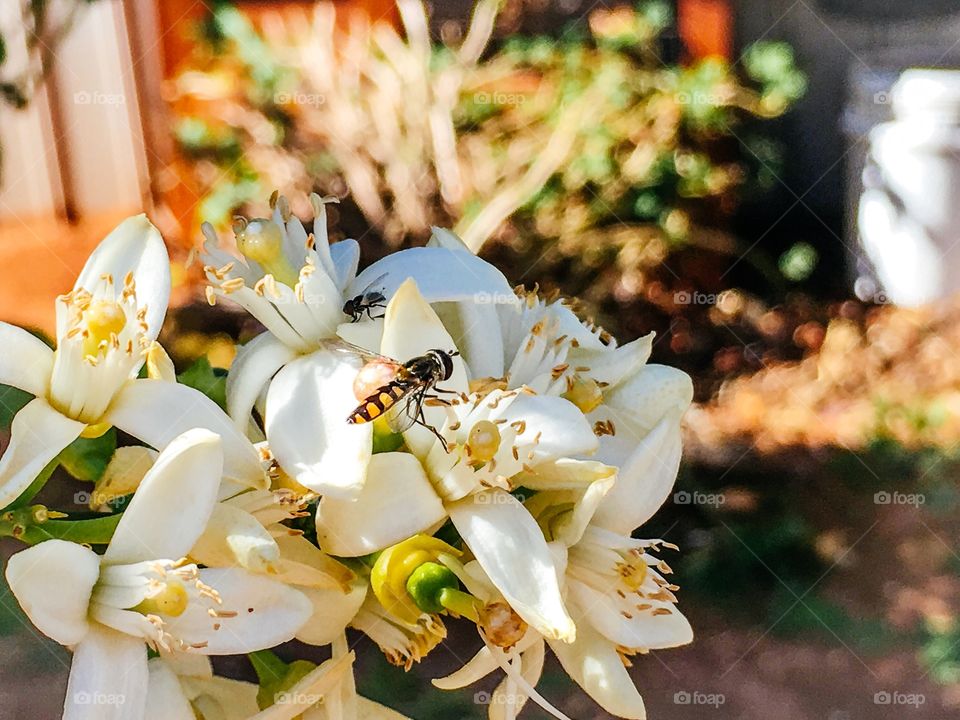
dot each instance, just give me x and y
(87, 458)
(209, 380)
(12, 401)
(3, 50)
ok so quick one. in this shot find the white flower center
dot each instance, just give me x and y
(102, 341)
(141, 599)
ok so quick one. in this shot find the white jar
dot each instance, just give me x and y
(909, 215)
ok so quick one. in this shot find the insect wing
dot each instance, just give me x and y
(406, 411)
(342, 346)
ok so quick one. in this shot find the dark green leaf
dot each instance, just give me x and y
(87, 458)
(211, 381)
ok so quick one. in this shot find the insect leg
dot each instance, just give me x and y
(422, 421)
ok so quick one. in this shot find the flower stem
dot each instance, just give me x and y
(459, 602)
(33, 525)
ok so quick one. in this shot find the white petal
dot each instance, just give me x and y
(305, 565)
(165, 697)
(235, 537)
(367, 334)
(321, 683)
(507, 699)
(268, 613)
(346, 257)
(171, 507)
(554, 427)
(644, 481)
(333, 610)
(52, 582)
(643, 630)
(157, 412)
(136, 246)
(481, 665)
(594, 664)
(37, 436)
(440, 273)
(308, 404)
(475, 328)
(397, 501)
(256, 362)
(645, 398)
(411, 328)
(611, 365)
(26, 362)
(510, 547)
(108, 678)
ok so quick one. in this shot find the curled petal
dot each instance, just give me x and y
(346, 257)
(157, 412)
(593, 663)
(134, 246)
(37, 436)
(235, 537)
(52, 582)
(658, 626)
(307, 408)
(397, 502)
(508, 700)
(26, 362)
(411, 328)
(98, 689)
(511, 549)
(160, 522)
(165, 697)
(256, 362)
(645, 479)
(333, 609)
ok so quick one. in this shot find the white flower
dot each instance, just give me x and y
(184, 688)
(104, 326)
(634, 407)
(496, 442)
(246, 530)
(296, 285)
(141, 592)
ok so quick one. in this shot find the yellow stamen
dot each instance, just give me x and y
(585, 393)
(261, 240)
(171, 600)
(103, 319)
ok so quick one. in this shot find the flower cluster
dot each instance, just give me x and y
(402, 445)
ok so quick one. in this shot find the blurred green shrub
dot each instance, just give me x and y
(559, 136)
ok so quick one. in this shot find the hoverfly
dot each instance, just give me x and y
(402, 396)
(365, 302)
